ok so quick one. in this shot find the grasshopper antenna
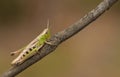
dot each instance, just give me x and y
(48, 24)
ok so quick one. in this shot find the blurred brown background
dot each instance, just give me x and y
(93, 52)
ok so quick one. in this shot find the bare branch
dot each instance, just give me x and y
(62, 36)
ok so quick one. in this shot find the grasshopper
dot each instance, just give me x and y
(32, 48)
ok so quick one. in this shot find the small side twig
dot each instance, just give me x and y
(62, 36)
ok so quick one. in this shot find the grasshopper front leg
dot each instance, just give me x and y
(48, 43)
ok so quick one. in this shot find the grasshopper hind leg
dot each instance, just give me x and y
(16, 52)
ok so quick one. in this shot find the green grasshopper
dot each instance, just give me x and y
(32, 48)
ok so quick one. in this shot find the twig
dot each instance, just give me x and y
(62, 36)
